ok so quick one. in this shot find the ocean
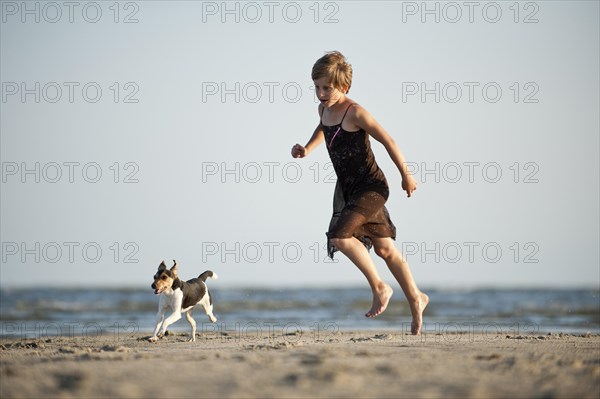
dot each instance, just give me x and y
(39, 313)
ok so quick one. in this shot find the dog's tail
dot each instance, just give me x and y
(207, 274)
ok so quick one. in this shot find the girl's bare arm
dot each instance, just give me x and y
(316, 139)
(363, 119)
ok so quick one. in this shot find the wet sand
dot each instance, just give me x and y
(277, 364)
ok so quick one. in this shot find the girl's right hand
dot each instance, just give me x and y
(298, 151)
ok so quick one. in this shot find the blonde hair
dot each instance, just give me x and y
(334, 66)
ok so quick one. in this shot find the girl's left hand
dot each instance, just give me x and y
(409, 185)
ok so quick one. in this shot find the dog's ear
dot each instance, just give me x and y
(174, 268)
(162, 266)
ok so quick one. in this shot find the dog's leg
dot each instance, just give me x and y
(188, 317)
(174, 304)
(159, 320)
(208, 308)
(173, 317)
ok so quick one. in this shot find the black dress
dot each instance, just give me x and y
(361, 189)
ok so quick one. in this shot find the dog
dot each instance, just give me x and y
(180, 297)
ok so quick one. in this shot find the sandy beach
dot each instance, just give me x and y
(279, 363)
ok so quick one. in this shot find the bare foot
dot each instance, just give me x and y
(381, 299)
(417, 308)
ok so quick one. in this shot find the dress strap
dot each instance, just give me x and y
(321, 116)
(343, 117)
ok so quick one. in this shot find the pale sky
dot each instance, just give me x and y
(162, 130)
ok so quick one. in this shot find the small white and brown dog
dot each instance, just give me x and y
(180, 297)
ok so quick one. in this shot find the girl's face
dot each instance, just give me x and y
(326, 93)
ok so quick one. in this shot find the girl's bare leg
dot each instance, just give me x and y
(385, 248)
(358, 254)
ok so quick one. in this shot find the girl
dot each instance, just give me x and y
(360, 220)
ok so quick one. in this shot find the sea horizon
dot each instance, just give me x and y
(45, 312)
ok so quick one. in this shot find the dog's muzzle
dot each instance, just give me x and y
(156, 290)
